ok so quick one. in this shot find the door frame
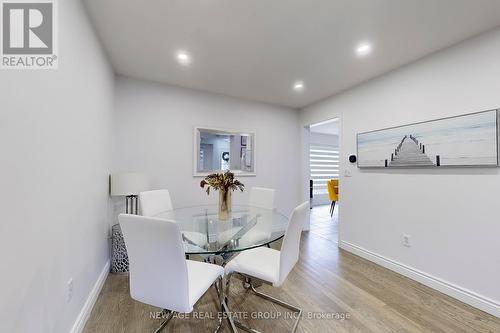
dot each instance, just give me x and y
(306, 169)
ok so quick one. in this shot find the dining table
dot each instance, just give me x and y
(205, 233)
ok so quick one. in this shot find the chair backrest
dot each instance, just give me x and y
(155, 202)
(289, 254)
(333, 189)
(157, 263)
(261, 197)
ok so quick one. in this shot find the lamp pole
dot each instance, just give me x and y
(131, 206)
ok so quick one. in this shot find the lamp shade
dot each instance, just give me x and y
(128, 183)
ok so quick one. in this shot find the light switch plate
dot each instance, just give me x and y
(69, 290)
(347, 172)
(406, 240)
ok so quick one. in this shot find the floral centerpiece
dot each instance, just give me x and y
(225, 184)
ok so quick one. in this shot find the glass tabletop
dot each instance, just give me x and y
(247, 227)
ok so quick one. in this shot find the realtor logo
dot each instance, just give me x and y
(28, 34)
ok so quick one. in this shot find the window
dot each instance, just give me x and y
(324, 165)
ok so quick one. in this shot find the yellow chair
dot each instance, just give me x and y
(333, 193)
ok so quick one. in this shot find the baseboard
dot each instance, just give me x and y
(469, 297)
(84, 314)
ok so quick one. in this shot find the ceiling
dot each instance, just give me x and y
(257, 49)
(326, 127)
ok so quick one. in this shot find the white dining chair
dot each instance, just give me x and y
(261, 197)
(159, 274)
(270, 265)
(261, 207)
(155, 202)
(159, 201)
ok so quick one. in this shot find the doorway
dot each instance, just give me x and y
(323, 164)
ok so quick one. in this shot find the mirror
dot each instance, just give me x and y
(220, 150)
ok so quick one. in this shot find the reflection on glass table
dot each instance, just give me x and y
(248, 227)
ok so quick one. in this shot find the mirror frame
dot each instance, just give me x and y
(196, 151)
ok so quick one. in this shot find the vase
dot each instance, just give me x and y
(224, 204)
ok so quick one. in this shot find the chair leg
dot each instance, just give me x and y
(283, 304)
(232, 323)
(221, 293)
(293, 308)
(222, 299)
(170, 315)
(332, 209)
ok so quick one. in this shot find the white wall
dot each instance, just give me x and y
(452, 215)
(154, 135)
(55, 158)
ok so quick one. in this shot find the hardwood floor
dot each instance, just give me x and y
(326, 281)
(324, 225)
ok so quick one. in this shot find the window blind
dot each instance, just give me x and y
(324, 165)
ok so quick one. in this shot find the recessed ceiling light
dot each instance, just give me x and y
(183, 58)
(364, 49)
(298, 86)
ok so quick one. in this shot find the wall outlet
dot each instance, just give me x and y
(69, 290)
(406, 240)
(348, 172)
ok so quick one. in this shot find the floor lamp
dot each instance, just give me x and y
(129, 185)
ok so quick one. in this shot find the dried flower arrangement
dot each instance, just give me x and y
(225, 183)
(221, 182)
